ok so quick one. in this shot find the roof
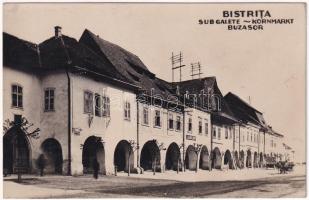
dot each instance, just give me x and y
(244, 111)
(59, 53)
(127, 64)
(19, 53)
(241, 100)
(208, 89)
(273, 132)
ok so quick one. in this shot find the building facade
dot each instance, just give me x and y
(77, 104)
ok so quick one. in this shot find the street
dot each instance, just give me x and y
(274, 185)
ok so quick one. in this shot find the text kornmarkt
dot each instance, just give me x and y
(246, 20)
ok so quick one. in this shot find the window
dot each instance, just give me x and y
(247, 136)
(226, 133)
(231, 133)
(219, 133)
(251, 137)
(88, 102)
(178, 123)
(214, 134)
(170, 121)
(18, 119)
(17, 96)
(98, 105)
(157, 118)
(190, 125)
(145, 116)
(106, 106)
(206, 128)
(49, 99)
(200, 127)
(127, 110)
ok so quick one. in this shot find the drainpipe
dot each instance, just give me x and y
(137, 132)
(211, 144)
(264, 142)
(239, 138)
(69, 122)
(183, 140)
(233, 139)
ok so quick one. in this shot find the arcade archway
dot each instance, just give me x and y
(255, 160)
(228, 160)
(242, 159)
(261, 161)
(191, 158)
(150, 156)
(172, 159)
(123, 152)
(204, 158)
(249, 159)
(93, 150)
(236, 159)
(52, 151)
(216, 158)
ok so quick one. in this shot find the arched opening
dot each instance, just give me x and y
(261, 159)
(53, 154)
(255, 159)
(150, 156)
(216, 158)
(191, 158)
(249, 159)
(228, 160)
(204, 158)
(172, 159)
(93, 150)
(242, 159)
(123, 152)
(236, 159)
(16, 151)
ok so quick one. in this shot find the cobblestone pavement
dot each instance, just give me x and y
(273, 185)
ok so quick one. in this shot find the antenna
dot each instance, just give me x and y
(249, 100)
(177, 64)
(196, 70)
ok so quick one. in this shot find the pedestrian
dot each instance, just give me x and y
(41, 163)
(96, 167)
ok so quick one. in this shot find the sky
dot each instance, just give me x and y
(268, 65)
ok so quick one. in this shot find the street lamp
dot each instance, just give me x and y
(197, 149)
(133, 148)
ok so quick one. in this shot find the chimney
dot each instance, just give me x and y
(57, 31)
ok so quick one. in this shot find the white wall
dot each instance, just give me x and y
(111, 129)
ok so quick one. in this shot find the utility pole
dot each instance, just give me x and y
(177, 64)
(196, 70)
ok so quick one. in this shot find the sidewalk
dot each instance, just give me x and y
(217, 175)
